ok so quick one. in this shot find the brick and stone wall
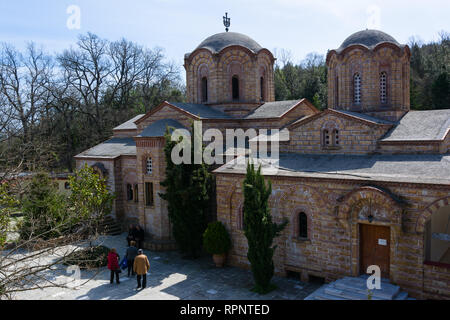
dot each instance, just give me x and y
(355, 137)
(335, 208)
(220, 68)
(369, 64)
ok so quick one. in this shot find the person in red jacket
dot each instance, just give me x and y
(113, 265)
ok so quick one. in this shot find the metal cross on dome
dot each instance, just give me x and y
(226, 21)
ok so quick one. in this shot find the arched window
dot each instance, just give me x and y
(437, 236)
(326, 138)
(235, 87)
(383, 92)
(136, 193)
(261, 85)
(129, 192)
(357, 88)
(240, 220)
(336, 96)
(149, 166)
(302, 225)
(204, 89)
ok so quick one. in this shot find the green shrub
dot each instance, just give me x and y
(216, 239)
(92, 257)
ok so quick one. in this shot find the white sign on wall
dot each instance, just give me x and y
(382, 242)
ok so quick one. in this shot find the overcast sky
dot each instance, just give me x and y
(300, 26)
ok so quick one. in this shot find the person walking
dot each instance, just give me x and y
(140, 236)
(113, 265)
(131, 234)
(141, 267)
(131, 254)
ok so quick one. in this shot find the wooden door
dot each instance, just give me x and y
(374, 248)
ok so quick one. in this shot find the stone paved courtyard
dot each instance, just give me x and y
(170, 278)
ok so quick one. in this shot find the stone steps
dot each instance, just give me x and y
(109, 226)
(355, 288)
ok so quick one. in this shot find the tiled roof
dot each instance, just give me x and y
(417, 168)
(363, 116)
(129, 125)
(368, 38)
(201, 110)
(421, 125)
(220, 41)
(272, 109)
(111, 149)
(158, 128)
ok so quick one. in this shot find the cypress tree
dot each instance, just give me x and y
(187, 191)
(259, 229)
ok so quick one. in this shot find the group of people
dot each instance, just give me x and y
(135, 233)
(137, 262)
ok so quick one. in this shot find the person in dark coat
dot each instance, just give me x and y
(113, 265)
(132, 252)
(139, 236)
(131, 234)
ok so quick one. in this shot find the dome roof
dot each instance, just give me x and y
(368, 38)
(220, 41)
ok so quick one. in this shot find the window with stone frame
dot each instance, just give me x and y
(330, 136)
(357, 88)
(129, 192)
(262, 91)
(149, 201)
(149, 166)
(235, 87)
(326, 138)
(437, 237)
(302, 226)
(136, 193)
(240, 218)
(204, 89)
(335, 136)
(383, 87)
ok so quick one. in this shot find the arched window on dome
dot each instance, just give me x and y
(235, 87)
(262, 91)
(204, 89)
(383, 87)
(357, 88)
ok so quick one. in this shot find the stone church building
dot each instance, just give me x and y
(364, 182)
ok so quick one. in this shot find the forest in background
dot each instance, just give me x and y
(52, 107)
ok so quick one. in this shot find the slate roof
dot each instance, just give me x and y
(158, 128)
(272, 109)
(201, 110)
(369, 38)
(421, 125)
(417, 168)
(220, 41)
(129, 125)
(365, 117)
(111, 148)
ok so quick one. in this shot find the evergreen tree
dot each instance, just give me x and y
(441, 91)
(259, 229)
(44, 209)
(188, 191)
